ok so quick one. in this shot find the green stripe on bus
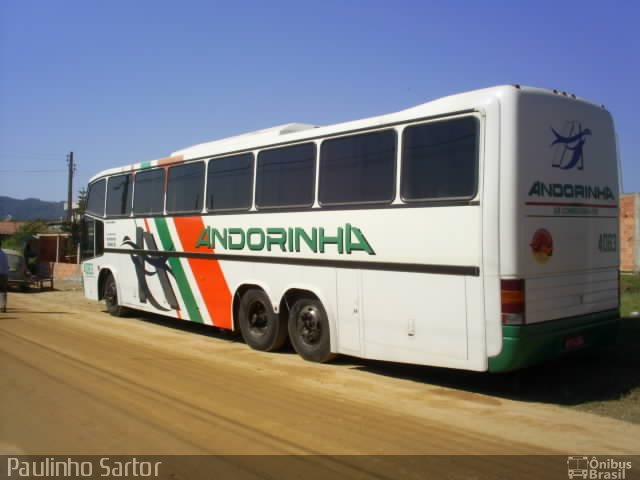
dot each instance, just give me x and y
(178, 272)
(144, 165)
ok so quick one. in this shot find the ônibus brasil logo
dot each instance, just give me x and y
(596, 469)
(347, 239)
(568, 151)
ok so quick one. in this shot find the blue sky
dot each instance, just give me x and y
(120, 82)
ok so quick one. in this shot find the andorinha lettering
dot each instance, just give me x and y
(569, 190)
(54, 467)
(347, 239)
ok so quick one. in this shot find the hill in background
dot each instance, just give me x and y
(30, 209)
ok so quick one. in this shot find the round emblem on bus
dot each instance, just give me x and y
(542, 245)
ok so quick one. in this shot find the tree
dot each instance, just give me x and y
(82, 202)
(73, 227)
(18, 240)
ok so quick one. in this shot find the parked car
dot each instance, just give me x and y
(19, 274)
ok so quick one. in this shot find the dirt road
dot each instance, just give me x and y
(74, 380)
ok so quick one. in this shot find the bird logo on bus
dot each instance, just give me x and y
(569, 146)
(160, 269)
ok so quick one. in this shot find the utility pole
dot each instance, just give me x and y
(72, 168)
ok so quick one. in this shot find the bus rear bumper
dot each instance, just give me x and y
(527, 345)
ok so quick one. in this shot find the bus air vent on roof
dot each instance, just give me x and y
(294, 127)
(266, 135)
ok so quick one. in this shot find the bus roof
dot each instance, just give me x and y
(298, 132)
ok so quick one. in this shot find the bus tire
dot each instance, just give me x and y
(262, 328)
(309, 330)
(110, 295)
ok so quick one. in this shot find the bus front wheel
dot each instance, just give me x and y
(110, 295)
(262, 328)
(309, 330)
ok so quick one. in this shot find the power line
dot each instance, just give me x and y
(49, 156)
(34, 171)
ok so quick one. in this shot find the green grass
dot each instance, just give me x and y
(630, 294)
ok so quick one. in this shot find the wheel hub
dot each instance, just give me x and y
(309, 325)
(258, 321)
(110, 294)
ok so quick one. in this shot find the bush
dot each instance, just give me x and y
(18, 240)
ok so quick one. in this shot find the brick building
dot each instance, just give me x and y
(8, 228)
(630, 232)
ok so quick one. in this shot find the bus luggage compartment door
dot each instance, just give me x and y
(349, 293)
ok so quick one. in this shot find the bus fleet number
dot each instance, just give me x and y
(608, 242)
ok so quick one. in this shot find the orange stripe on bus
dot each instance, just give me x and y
(168, 160)
(207, 272)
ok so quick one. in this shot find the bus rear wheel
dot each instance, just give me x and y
(309, 330)
(110, 295)
(262, 328)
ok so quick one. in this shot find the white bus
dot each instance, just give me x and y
(477, 231)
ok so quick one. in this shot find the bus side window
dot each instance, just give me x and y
(286, 176)
(148, 197)
(96, 197)
(99, 229)
(440, 160)
(184, 188)
(92, 238)
(358, 169)
(87, 235)
(230, 183)
(119, 195)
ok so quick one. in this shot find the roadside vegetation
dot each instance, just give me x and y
(630, 298)
(25, 232)
(614, 375)
(30, 229)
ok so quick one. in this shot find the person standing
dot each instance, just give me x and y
(31, 259)
(4, 279)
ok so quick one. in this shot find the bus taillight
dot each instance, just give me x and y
(512, 301)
